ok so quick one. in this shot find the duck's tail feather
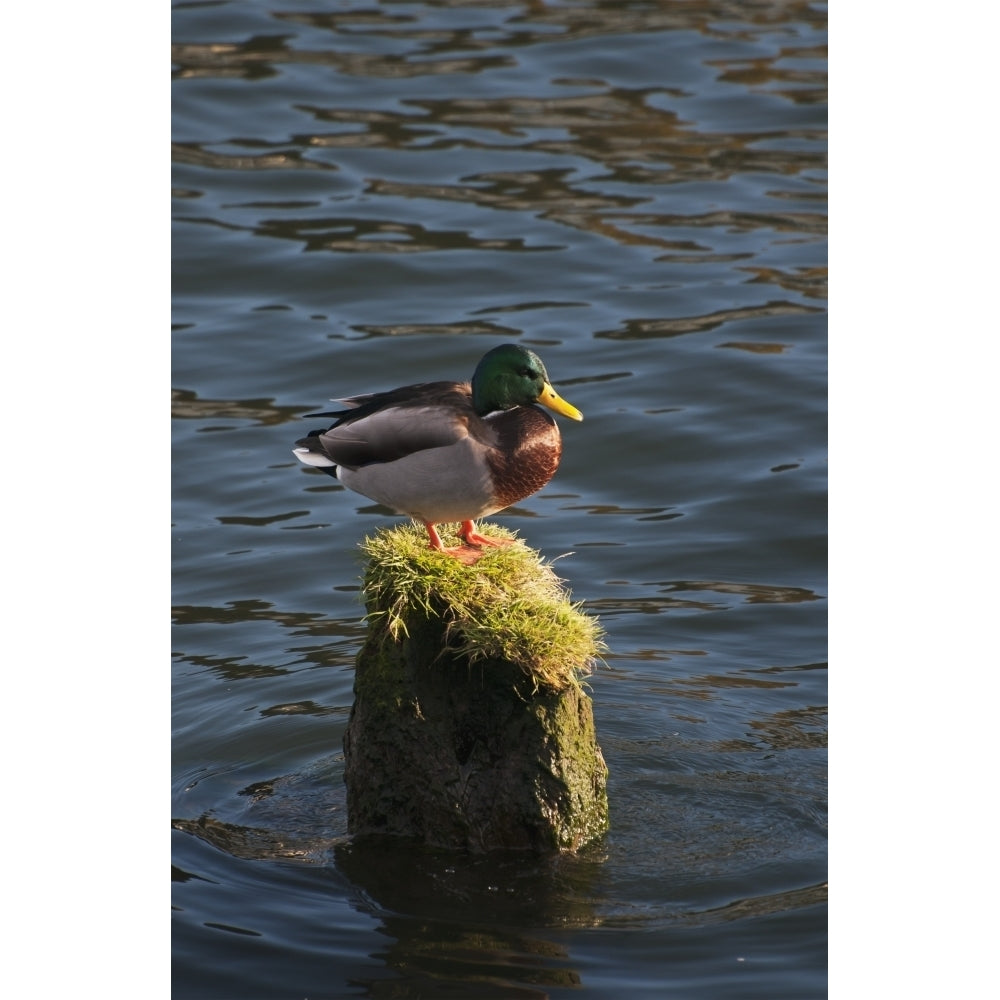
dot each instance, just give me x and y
(308, 455)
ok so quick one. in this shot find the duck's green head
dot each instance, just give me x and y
(511, 375)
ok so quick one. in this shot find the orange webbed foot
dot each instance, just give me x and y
(473, 537)
(472, 550)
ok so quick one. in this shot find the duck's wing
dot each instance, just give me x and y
(349, 403)
(384, 427)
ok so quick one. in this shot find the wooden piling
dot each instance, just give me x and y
(471, 727)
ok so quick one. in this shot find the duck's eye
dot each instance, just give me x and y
(525, 373)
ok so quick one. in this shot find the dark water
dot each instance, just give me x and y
(369, 194)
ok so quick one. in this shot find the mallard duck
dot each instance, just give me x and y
(448, 451)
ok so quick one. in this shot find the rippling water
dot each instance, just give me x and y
(369, 194)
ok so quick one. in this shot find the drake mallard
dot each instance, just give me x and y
(448, 451)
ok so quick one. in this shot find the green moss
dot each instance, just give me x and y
(508, 605)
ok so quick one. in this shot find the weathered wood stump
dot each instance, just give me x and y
(470, 727)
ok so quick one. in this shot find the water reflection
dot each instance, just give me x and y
(472, 329)
(235, 612)
(356, 235)
(431, 961)
(187, 405)
(808, 281)
(333, 642)
(755, 347)
(259, 56)
(645, 329)
(443, 944)
(760, 906)
(254, 843)
(195, 155)
(646, 139)
(790, 729)
(646, 603)
(809, 85)
(752, 593)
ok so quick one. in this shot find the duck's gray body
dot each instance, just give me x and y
(423, 451)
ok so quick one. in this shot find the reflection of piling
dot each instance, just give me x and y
(470, 727)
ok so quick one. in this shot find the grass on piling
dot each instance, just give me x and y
(509, 604)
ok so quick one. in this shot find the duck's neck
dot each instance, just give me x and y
(489, 397)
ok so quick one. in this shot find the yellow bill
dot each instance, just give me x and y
(550, 398)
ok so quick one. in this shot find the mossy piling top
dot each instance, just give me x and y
(509, 604)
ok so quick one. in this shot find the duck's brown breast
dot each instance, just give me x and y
(526, 455)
